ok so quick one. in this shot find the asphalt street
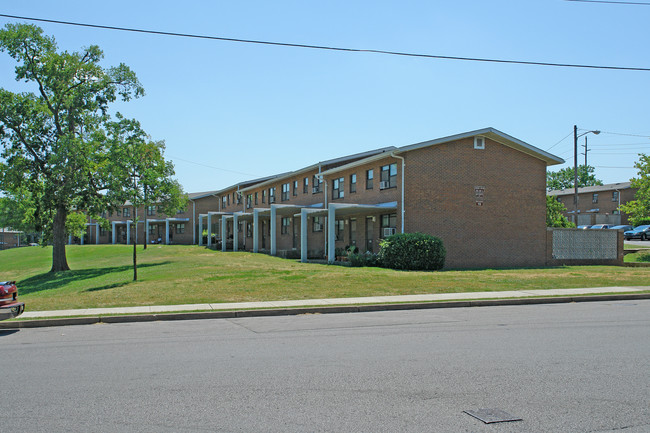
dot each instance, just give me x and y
(578, 367)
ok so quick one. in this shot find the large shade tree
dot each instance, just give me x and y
(52, 138)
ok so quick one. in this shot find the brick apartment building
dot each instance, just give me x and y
(9, 238)
(482, 192)
(597, 204)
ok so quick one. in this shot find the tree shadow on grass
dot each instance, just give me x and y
(56, 280)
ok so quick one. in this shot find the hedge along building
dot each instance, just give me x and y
(482, 192)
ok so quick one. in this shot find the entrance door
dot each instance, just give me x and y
(370, 229)
(294, 234)
(263, 235)
(353, 231)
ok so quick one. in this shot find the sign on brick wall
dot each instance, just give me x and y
(479, 195)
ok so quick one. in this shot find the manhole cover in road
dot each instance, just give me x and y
(489, 416)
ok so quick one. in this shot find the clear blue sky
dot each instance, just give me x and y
(232, 111)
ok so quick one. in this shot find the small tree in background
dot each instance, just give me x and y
(638, 210)
(564, 179)
(555, 214)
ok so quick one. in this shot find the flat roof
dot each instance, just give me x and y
(595, 188)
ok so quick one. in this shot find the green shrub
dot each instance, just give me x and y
(412, 251)
(643, 256)
(358, 260)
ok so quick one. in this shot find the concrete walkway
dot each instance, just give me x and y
(271, 305)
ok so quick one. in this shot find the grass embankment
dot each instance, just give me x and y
(167, 275)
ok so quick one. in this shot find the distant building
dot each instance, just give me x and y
(597, 204)
(9, 238)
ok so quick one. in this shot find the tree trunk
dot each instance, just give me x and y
(135, 260)
(59, 260)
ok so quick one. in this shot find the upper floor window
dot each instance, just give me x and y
(285, 191)
(228, 196)
(249, 201)
(271, 195)
(126, 212)
(388, 176)
(318, 185)
(255, 199)
(223, 202)
(238, 197)
(305, 185)
(295, 187)
(353, 183)
(594, 198)
(338, 191)
(151, 210)
(369, 178)
(264, 196)
(614, 195)
(479, 143)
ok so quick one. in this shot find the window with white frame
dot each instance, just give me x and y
(255, 199)
(388, 225)
(317, 224)
(180, 228)
(305, 185)
(479, 143)
(614, 195)
(249, 230)
(264, 196)
(151, 210)
(339, 229)
(249, 201)
(369, 178)
(388, 176)
(126, 212)
(353, 183)
(317, 185)
(286, 222)
(295, 187)
(594, 198)
(286, 187)
(223, 202)
(271, 195)
(338, 190)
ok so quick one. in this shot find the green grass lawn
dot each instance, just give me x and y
(102, 276)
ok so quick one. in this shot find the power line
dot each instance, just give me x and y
(322, 47)
(611, 2)
(560, 141)
(627, 135)
(209, 166)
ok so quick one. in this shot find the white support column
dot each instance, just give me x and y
(331, 235)
(167, 231)
(274, 217)
(303, 235)
(209, 230)
(235, 232)
(97, 234)
(256, 234)
(83, 235)
(224, 233)
(69, 239)
(128, 232)
(201, 229)
(146, 232)
(113, 232)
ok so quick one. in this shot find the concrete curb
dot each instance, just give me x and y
(68, 321)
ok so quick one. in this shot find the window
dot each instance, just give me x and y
(388, 224)
(238, 197)
(339, 228)
(318, 185)
(255, 199)
(353, 183)
(337, 188)
(305, 185)
(102, 231)
(271, 195)
(180, 228)
(249, 201)
(249, 230)
(388, 176)
(317, 224)
(285, 191)
(152, 229)
(223, 202)
(151, 210)
(285, 226)
(263, 196)
(228, 199)
(479, 143)
(295, 187)
(594, 198)
(369, 177)
(126, 212)
(614, 195)
(558, 198)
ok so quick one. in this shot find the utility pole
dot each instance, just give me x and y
(586, 150)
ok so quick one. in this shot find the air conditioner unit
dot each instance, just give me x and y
(315, 189)
(389, 231)
(384, 184)
(272, 199)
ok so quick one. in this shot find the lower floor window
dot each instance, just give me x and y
(180, 228)
(285, 226)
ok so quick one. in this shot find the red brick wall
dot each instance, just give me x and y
(509, 229)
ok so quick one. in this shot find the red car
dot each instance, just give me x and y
(9, 305)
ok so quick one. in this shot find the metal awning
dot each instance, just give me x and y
(345, 209)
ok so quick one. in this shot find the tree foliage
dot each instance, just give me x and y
(53, 139)
(555, 214)
(638, 210)
(564, 179)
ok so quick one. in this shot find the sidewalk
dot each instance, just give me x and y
(374, 300)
